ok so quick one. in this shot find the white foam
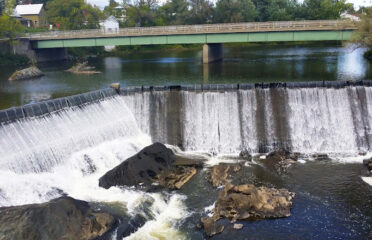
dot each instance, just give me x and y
(166, 214)
(367, 180)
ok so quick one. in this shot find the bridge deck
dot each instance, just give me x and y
(254, 27)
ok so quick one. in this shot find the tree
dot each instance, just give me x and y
(174, 12)
(363, 36)
(9, 7)
(142, 13)
(325, 9)
(10, 28)
(276, 10)
(2, 6)
(201, 12)
(73, 14)
(228, 11)
(111, 9)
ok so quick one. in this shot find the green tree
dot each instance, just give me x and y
(9, 7)
(111, 9)
(325, 9)
(142, 13)
(201, 12)
(10, 29)
(174, 12)
(228, 11)
(276, 10)
(363, 36)
(73, 14)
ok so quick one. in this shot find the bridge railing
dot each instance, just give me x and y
(201, 29)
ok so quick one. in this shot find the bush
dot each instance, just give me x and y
(14, 60)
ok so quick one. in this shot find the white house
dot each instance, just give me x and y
(349, 16)
(111, 24)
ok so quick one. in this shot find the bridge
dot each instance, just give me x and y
(211, 35)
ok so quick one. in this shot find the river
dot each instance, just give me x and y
(267, 63)
(44, 157)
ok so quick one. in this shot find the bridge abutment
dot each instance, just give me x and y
(212, 52)
(24, 48)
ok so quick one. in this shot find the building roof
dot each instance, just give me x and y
(29, 9)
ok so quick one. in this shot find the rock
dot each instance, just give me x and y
(82, 68)
(154, 165)
(27, 73)
(320, 156)
(238, 226)
(220, 174)
(115, 86)
(211, 227)
(247, 202)
(245, 155)
(368, 164)
(280, 160)
(62, 218)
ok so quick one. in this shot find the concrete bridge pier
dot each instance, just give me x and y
(24, 47)
(212, 52)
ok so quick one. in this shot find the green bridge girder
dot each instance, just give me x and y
(288, 36)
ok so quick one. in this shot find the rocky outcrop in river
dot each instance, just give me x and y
(27, 73)
(83, 68)
(62, 218)
(155, 165)
(244, 202)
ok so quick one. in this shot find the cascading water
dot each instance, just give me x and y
(67, 152)
(306, 120)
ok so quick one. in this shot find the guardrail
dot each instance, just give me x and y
(201, 29)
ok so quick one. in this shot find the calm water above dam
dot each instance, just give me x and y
(271, 63)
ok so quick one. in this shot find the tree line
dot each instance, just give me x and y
(78, 14)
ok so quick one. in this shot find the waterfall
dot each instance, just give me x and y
(306, 120)
(37, 144)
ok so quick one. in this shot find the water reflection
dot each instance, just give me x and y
(351, 64)
(268, 63)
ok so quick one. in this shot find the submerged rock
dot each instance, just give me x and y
(154, 165)
(279, 160)
(83, 68)
(176, 177)
(62, 218)
(211, 227)
(368, 164)
(221, 174)
(245, 155)
(27, 73)
(320, 156)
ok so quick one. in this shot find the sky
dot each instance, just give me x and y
(357, 3)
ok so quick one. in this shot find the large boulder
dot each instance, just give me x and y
(62, 218)
(27, 73)
(153, 166)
